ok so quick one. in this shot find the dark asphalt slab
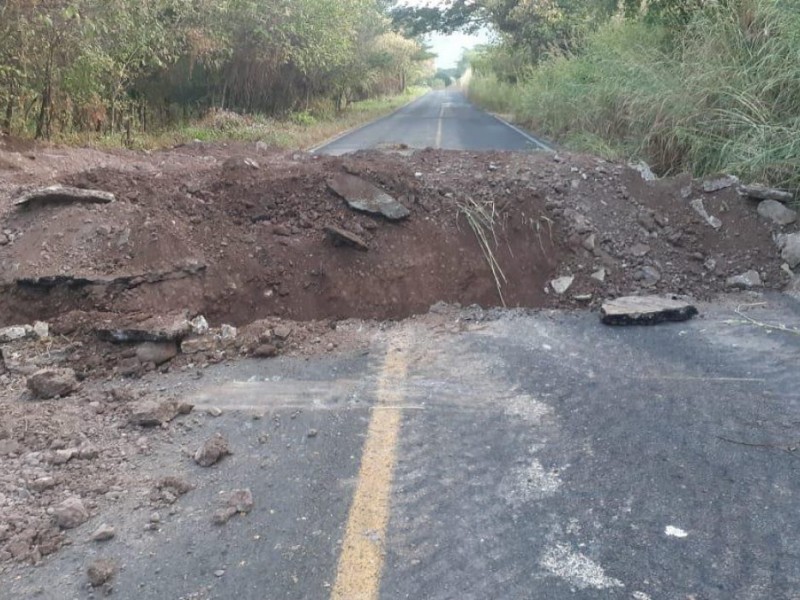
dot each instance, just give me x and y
(540, 456)
(441, 119)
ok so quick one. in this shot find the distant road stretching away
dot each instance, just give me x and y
(442, 119)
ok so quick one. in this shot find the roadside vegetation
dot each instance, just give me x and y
(284, 71)
(697, 85)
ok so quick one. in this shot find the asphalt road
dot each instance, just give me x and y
(510, 456)
(441, 119)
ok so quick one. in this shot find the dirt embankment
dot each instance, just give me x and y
(236, 240)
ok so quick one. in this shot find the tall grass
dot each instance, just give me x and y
(721, 94)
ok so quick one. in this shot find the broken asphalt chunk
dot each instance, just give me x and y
(342, 237)
(60, 194)
(362, 195)
(645, 310)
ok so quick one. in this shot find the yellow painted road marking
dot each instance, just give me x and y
(360, 566)
(438, 143)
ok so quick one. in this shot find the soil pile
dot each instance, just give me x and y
(240, 237)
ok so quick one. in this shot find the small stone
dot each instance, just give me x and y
(199, 325)
(149, 413)
(196, 345)
(219, 572)
(52, 383)
(282, 332)
(590, 242)
(745, 281)
(599, 275)
(71, 513)
(648, 276)
(241, 500)
(700, 209)
(104, 533)
(41, 329)
(562, 284)
(155, 518)
(214, 411)
(223, 515)
(156, 352)
(228, 333)
(312, 433)
(101, 571)
(265, 351)
(212, 451)
(639, 250)
(776, 212)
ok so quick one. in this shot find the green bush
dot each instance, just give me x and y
(720, 94)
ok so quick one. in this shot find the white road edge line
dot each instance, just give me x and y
(530, 138)
(336, 138)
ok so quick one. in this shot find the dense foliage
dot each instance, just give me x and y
(104, 65)
(701, 85)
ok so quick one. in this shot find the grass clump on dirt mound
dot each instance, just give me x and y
(719, 93)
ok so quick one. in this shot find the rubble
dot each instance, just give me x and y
(776, 212)
(342, 237)
(71, 513)
(645, 310)
(762, 192)
(101, 571)
(745, 281)
(362, 195)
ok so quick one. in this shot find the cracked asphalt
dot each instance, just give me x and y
(535, 455)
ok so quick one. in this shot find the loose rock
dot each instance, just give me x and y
(149, 413)
(52, 383)
(363, 196)
(645, 310)
(343, 237)
(71, 513)
(700, 209)
(791, 250)
(212, 451)
(265, 351)
(745, 281)
(774, 211)
(720, 182)
(157, 352)
(104, 533)
(101, 571)
(562, 284)
(762, 192)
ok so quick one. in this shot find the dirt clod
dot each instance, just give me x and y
(53, 383)
(212, 451)
(71, 513)
(101, 571)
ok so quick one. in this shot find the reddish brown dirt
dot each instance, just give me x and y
(252, 239)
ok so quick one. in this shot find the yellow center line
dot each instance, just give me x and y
(358, 574)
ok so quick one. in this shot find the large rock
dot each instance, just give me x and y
(791, 250)
(645, 310)
(14, 333)
(774, 211)
(762, 192)
(745, 281)
(52, 383)
(719, 182)
(363, 196)
(71, 513)
(60, 194)
(160, 329)
(157, 352)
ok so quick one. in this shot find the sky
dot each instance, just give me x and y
(449, 48)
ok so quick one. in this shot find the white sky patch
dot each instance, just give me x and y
(449, 48)
(675, 532)
(577, 569)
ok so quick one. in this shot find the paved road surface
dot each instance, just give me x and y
(536, 456)
(441, 119)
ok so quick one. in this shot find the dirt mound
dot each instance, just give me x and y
(238, 238)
